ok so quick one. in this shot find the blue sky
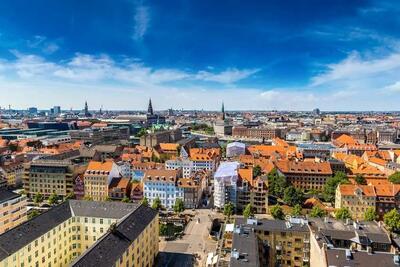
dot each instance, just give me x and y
(286, 55)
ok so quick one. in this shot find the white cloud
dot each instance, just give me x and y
(43, 44)
(395, 87)
(231, 75)
(141, 21)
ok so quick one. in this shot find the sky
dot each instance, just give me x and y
(336, 55)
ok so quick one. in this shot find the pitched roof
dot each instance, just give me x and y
(169, 146)
(290, 166)
(100, 166)
(350, 189)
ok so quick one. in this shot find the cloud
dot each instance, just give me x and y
(228, 76)
(141, 22)
(43, 44)
(395, 87)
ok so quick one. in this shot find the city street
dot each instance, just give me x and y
(195, 241)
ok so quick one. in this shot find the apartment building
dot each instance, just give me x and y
(357, 198)
(84, 233)
(305, 174)
(270, 243)
(205, 158)
(258, 133)
(253, 191)
(225, 184)
(98, 177)
(348, 243)
(162, 184)
(13, 172)
(12, 210)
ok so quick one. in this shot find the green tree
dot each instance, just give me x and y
(108, 198)
(38, 198)
(276, 183)
(229, 209)
(145, 202)
(179, 206)
(370, 214)
(248, 211)
(156, 204)
(331, 185)
(343, 214)
(392, 220)
(277, 212)
(141, 132)
(360, 179)
(70, 196)
(87, 197)
(126, 199)
(317, 212)
(257, 171)
(395, 178)
(33, 214)
(293, 196)
(53, 198)
(163, 229)
(296, 210)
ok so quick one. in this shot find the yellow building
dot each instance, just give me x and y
(84, 233)
(357, 198)
(13, 172)
(12, 210)
(97, 178)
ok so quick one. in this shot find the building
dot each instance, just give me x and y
(270, 243)
(152, 118)
(53, 174)
(305, 174)
(110, 134)
(12, 210)
(154, 139)
(192, 192)
(162, 184)
(256, 133)
(235, 149)
(183, 163)
(13, 172)
(98, 177)
(357, 198)
(222, 126)
(119, 188)
(84, 233)
(225, 184)
(347, 243)
(205, 158)
(252, 190)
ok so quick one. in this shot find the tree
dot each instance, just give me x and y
(296, 210)
(38, 198)
(229, 209)
(248, 211)
(163, 229)
(360, 179)
(145, 202)
(392, 220)
(126, 199)
(257, 171)
(332, 183)
(317, 212)
(276, 183)
(108, 198)
(277, 212)
(156, 204)
(370, 214)
(293, 196)
(395, 178)
(70, 196)
(53, 198)
(87, 197)
(141, 132)
(179, 206)
(343, 214)
(33, 214)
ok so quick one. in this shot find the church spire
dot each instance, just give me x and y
(223, 111)
(150, 108)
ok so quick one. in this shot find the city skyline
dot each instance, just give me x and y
(341, 55)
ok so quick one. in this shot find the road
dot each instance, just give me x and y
(195, 241)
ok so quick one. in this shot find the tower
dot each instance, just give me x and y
(223, 111)
(150, 108)
(86, 108)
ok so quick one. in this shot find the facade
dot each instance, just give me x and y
(98, 177)
(75, 233)
(235, 149)
(225, 184)
(256, 133)
(222, 126)
(253, 191)
(13, 172)
(154, 139)
(357, 198)
(271, 243)
(305, 174)
(119, 188)
(192, 192)
(12, 210)
(162, 184)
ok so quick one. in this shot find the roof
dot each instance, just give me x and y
(6, 195)
(226, 169)
(350, 189)
(274, 225)
(290, 166)
(246, 174)
(244, 250)
(119, 182)
(345, 139)
(100, 166)
(23, 234)
(160, 175)
(337, 257)
(108, 249)
(169, 146)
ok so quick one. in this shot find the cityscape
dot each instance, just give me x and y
(200, 133)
